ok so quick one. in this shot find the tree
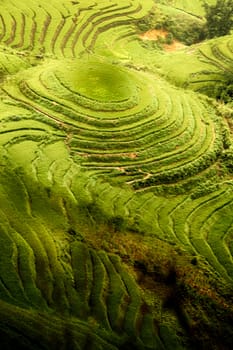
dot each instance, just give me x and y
(223, 91)
(219, 18)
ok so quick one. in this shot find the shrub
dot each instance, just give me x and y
(219, 18)
(169, 38)
(181, 27)
(228, 160)
(224, 90)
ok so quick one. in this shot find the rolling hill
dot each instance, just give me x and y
(115, 179)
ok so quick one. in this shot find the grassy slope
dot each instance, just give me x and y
(194, 8)
(115, 216)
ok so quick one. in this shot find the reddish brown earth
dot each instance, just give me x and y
(155, 34)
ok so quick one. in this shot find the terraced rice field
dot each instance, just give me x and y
(218, 56)
(115, 185)
(207, 65)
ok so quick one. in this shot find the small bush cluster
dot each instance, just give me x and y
(224, 90)
(204, 189)
(227, 158)
(180, 27)
(183, 172)
(219, 18)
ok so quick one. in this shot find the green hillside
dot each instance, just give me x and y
(116, 182)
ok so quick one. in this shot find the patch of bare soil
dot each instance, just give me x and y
(153, 34)
(176, 45)
(156, 34)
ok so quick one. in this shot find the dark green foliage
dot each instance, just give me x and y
(204, 188)
(117, 222)
(219, 18)
(188, 31)
(169, 38)
(152, 20)
(227, 158)
(223, 91)
(194, 261)
(181, 26)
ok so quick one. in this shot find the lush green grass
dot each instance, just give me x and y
(195, 8)
(97, 82)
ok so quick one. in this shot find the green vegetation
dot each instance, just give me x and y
(179, 24)
(116, 171)
(219, 18)
(95, 82)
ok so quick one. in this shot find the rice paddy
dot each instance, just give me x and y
(115, 182)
